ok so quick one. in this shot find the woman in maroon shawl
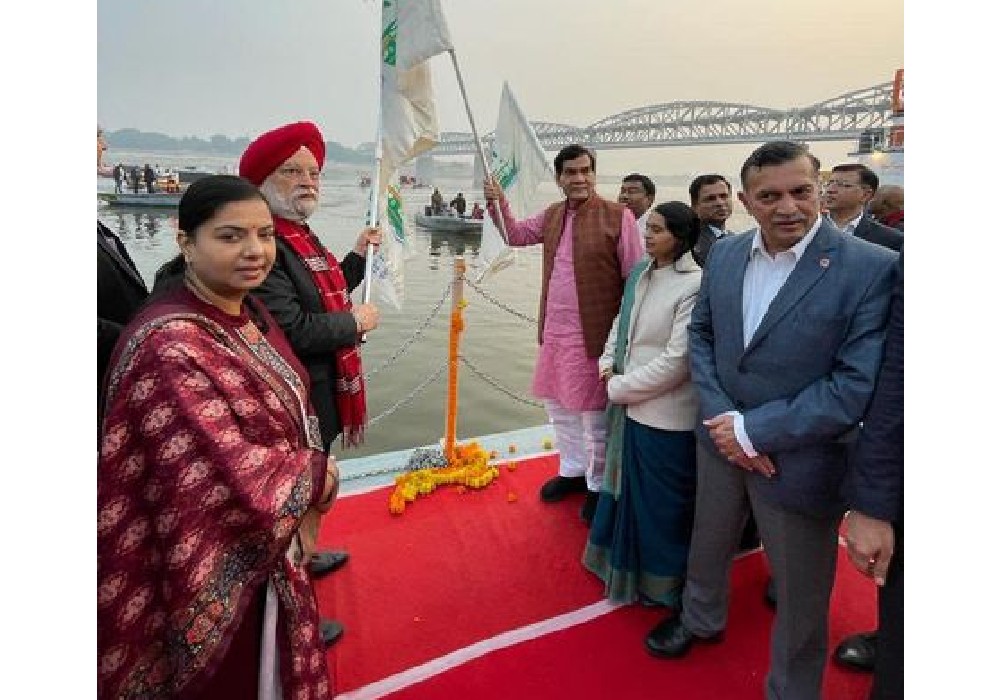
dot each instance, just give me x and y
(210, 459)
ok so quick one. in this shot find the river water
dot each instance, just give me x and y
(499, 344)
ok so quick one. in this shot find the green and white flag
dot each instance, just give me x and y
(519, 165)
(397, 246)
(412, 32)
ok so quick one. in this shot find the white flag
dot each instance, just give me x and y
(422, 32)
(412, 32)
(409, 117)
(519, 165)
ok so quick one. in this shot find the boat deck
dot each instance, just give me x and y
(360, 474)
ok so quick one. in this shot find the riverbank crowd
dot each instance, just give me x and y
(670, 365)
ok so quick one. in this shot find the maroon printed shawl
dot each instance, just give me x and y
(205, 473)
(349, 388)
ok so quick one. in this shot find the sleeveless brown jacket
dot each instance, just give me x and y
(599, 284)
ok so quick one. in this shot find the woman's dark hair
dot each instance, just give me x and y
(206, 196)
(682, 222)
(199, 203)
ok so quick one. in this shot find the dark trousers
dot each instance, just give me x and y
(888, 683)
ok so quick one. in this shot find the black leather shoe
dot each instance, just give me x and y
(323, 563)
(330, 631)
(671, 640)
(771, 594)
(858, 651)
(556, 488)
(589, 507)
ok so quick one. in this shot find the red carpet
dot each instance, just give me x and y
(456, 569)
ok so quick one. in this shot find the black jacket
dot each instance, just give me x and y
(706, 238)
(877, 467)
(872, 231)
(120, 293)
(293, 299)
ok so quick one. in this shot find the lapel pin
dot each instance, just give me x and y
(824, 262)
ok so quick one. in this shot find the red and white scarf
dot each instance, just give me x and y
(349, 387)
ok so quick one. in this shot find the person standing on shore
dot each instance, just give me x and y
(589, 246)
(776, 420)
(308, 293)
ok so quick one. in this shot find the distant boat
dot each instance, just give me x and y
(449, 224)
(142, 199)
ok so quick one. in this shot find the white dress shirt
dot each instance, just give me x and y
(850, 225)
(641, 223)
(765, 276)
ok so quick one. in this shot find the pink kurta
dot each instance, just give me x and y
(563, 371)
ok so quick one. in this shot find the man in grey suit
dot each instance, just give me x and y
(785, 341)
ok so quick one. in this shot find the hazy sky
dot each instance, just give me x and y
(238, 67)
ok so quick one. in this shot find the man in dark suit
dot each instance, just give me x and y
(849, 190)
(120, 292)
(712, 201)
(776, 419)
(875, 496)
(308, 293)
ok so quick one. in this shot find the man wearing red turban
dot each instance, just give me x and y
(308, 293)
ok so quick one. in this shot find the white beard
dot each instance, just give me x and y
(290, 208)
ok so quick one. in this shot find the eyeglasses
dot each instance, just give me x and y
(842, 184)
(297, 173)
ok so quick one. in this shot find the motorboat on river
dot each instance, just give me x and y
(140, 199)
(449, 224)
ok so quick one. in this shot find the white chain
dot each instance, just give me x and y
(416, 334)
(495, 383)
(412, 395)
(493, 300)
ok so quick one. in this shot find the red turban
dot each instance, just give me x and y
(271, 149)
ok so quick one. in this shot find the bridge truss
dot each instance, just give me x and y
(844, 117)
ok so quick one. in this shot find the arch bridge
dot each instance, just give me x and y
(847, 116)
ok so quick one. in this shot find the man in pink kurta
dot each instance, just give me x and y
(589, 244)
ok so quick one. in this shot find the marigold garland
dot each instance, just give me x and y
(468, 468)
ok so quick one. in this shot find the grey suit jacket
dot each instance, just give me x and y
(809, 371)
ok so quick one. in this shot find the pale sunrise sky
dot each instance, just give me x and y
(238, 67)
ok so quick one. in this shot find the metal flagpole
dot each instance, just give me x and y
(475, 135)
